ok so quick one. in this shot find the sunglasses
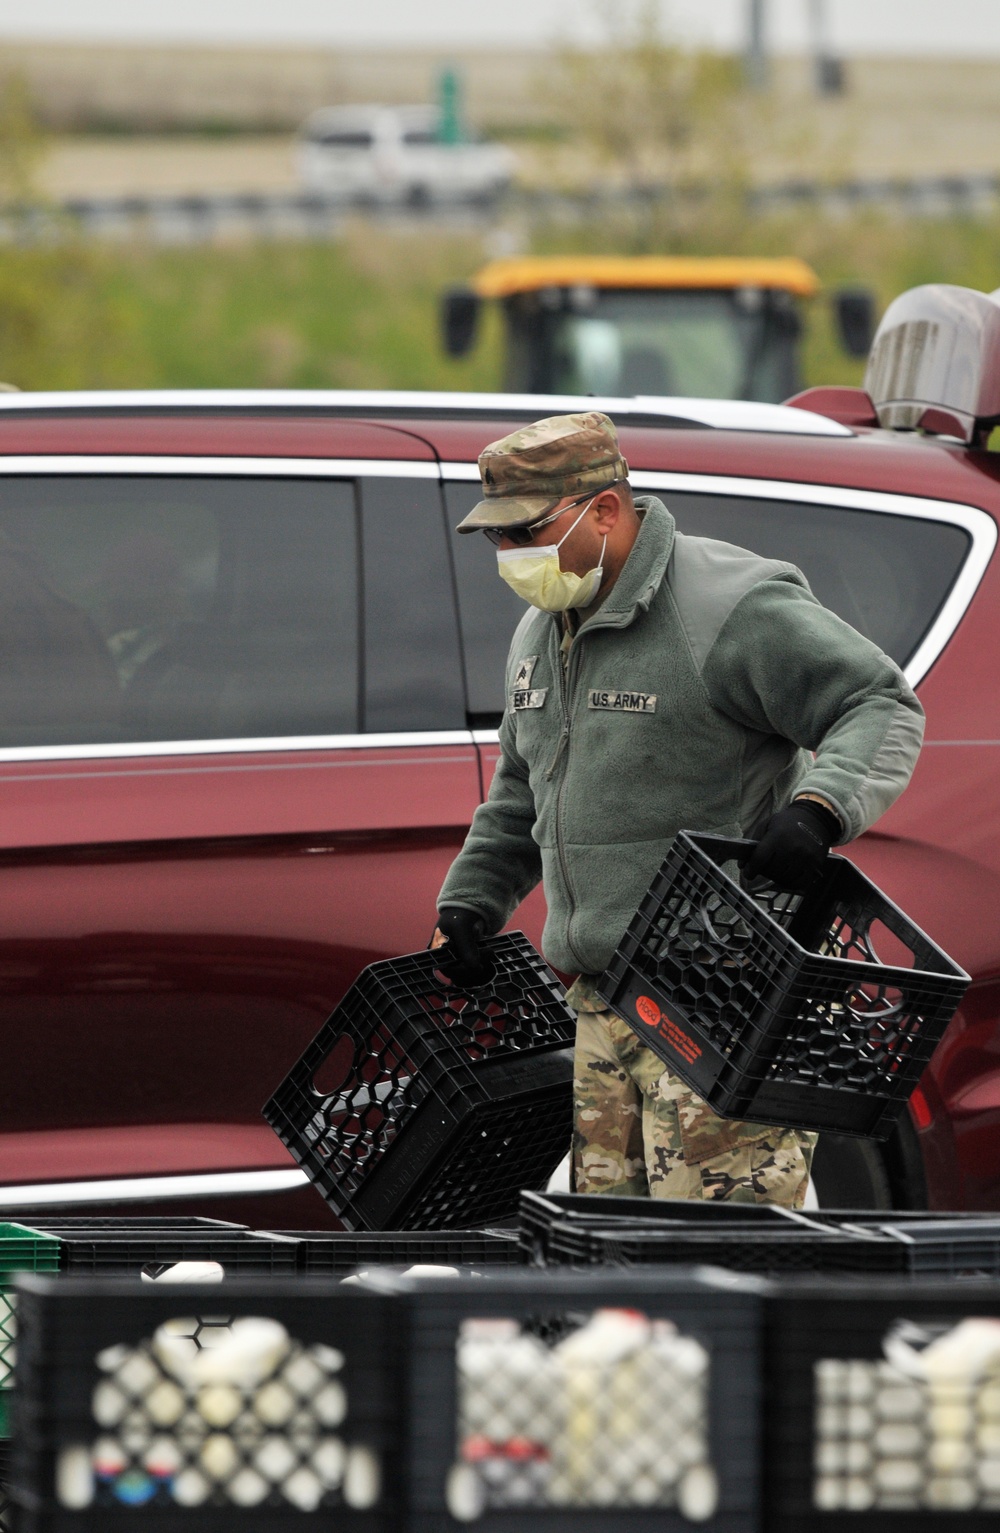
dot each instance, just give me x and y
(522, 536)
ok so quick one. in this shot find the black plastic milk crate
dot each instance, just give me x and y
(769, 1252)
(541, 1212)
(656, 1232)
(422, 1104)
(856, 1441)
(108, 1224)
(5, 1506)
(131, 1414)
(333, 1252)
(933, 1245)
(777, 1007)
(139, 1246)
(582, 1402)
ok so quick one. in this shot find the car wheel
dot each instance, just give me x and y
(488, 200)
(850, 1173)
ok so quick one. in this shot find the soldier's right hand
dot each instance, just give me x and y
(461, 931)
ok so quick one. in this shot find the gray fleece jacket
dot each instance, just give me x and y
(691, 700)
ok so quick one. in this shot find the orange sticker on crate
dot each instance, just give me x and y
(682, 1044)
(648, 1010)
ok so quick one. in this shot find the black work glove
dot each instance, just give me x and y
(794, 846)
(464, 930)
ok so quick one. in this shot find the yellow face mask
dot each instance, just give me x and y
(538, 578)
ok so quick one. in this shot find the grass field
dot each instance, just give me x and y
(357, 314)
(362, 313)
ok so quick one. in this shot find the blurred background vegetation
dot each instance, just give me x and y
(361, 311)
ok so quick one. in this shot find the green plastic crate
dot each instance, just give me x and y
(21, 1250)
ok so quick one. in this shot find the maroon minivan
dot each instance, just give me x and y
(248, 703)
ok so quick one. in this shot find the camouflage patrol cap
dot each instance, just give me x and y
(528, 472)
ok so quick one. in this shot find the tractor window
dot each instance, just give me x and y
(713, 345)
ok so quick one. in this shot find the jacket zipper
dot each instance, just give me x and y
(563, 748)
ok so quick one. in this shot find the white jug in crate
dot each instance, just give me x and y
(953, 1367)
(635, 1396)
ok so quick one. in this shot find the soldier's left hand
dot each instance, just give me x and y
(794, 846)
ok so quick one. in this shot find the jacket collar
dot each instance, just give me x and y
(644, 568)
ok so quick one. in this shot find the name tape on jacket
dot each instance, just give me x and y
(622, 702)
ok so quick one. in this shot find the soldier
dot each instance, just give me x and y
(658, 682)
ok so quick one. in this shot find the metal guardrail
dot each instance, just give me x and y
(187, 220)
(204, 218)
(926, 196)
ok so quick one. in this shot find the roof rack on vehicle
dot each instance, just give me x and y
(934, 368)
(935, 363)
(640, 410)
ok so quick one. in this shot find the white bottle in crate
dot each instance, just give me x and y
(586, 1363)
(505, 1401)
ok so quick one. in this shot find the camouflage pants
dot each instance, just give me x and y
(639, 1131)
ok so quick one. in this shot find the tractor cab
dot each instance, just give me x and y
(618, 326)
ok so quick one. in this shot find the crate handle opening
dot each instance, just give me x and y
(454, 974)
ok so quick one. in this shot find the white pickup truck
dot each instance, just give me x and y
(395, 155)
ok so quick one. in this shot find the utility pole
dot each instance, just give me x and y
(828, 71)
(755, 59)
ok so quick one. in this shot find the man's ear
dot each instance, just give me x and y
(608, 507)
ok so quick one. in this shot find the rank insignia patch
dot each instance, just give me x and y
(525, 671)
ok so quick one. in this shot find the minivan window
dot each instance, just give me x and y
(413, 666)
(137, 608)
(488, 610)
(343, 140)
(885, 575)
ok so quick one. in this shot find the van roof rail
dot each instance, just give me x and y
(717, 414)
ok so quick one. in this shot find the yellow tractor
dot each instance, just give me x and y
(701, 327)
